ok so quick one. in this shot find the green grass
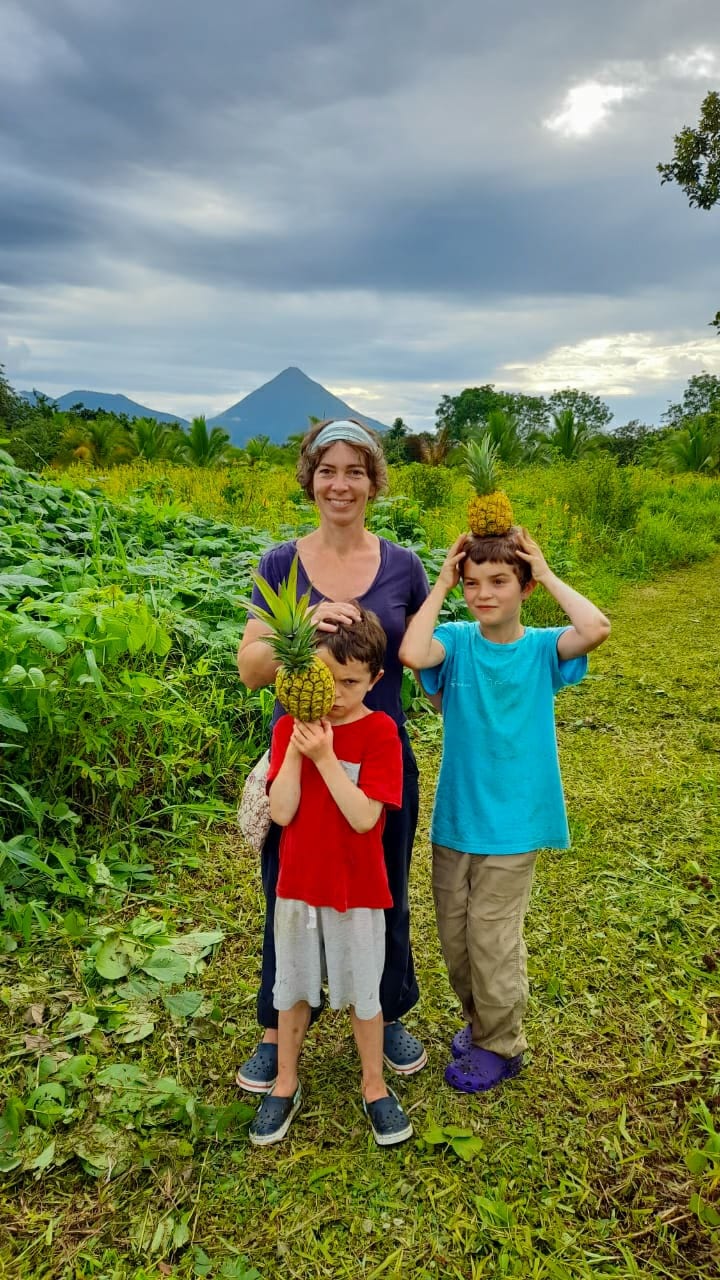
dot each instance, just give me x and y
(584, 1166)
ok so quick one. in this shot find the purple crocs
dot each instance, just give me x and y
(481, 1069)
(462, 1042)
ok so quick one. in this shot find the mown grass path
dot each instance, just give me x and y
(582, 1169)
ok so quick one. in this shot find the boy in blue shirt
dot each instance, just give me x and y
(499, 795)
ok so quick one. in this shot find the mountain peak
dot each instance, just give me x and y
(283, 406)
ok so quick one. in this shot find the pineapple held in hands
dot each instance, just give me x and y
(303, 683)
(489, 512)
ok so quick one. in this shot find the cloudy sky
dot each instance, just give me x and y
(401, 197)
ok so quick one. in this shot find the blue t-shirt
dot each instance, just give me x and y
(395, 594)
(499, 789)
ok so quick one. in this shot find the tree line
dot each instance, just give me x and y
(569, 424)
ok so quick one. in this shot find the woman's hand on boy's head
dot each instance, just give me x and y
(313, 739)
(328, 615)
(451, 571)
(529, 551)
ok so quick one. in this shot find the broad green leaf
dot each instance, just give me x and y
(121, 1075)
(13, 1116)
(433, 1134)
(166, 965)
(202, 1264)
(74, 1071)
(10, 721)
(47, 1104)
(44, 1160)
(104, 1151)
(184, 1004)
(696, 1161)
(114, 959)
(467, 1148)
(77, 1023)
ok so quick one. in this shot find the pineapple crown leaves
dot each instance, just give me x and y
(287, 615)
(481, 464)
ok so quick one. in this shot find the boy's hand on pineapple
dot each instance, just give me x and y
(329, 614)
(449, 575)
(529, 551)
(314, 740)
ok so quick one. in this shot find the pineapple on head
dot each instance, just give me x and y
(489, 512)
(303, 684)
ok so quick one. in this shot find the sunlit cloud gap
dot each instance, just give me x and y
(586, 107)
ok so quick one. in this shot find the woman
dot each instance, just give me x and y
(341, 467)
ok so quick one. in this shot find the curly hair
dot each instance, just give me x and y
(309, 461)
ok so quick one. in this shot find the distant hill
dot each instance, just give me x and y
(282, 407)
(108, 403)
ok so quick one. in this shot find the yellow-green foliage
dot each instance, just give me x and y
(633, 520)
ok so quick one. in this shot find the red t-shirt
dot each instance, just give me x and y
(323, 861)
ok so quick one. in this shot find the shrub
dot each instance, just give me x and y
(432, 487)
(607, 496)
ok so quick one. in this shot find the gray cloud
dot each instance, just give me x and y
(246, 157)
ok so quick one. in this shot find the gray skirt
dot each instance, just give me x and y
(346, 948)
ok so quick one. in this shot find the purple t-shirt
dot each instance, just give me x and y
(396, 593)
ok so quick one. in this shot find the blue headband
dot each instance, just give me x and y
(346, 432)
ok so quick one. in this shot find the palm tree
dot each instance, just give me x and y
(502, 428)
(150, 439)
(435, 449)
(257, 449)
(694, 448)
(103, 441)
(203, 448)
(569, 438)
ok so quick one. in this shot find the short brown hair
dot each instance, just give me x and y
(364, 641)
(499, 548)
(309, 461)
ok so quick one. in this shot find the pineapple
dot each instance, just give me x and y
(303, 684)
(489, 512)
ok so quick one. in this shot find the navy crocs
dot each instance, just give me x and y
(402, 1051)
(388, 1121)
(259, 1073)
(273, 1118)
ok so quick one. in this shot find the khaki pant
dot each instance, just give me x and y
(480, 904)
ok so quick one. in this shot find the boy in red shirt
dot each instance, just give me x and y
(329, 783)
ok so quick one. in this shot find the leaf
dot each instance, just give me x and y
(77, 1023)
(9, 721)
(467, 1148)
(47, 1104)
(46, 1158)
(696, 1160)
(184, 1004)
(166, 965)
(433, 1134)
(121, 1075)
(12, 1117)
(102, 1150)
(707, 1213)
(202, 1264)
(75, 1070)
(114, 959)
(181, 1232)
(237, 1269)
(137, 1029)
